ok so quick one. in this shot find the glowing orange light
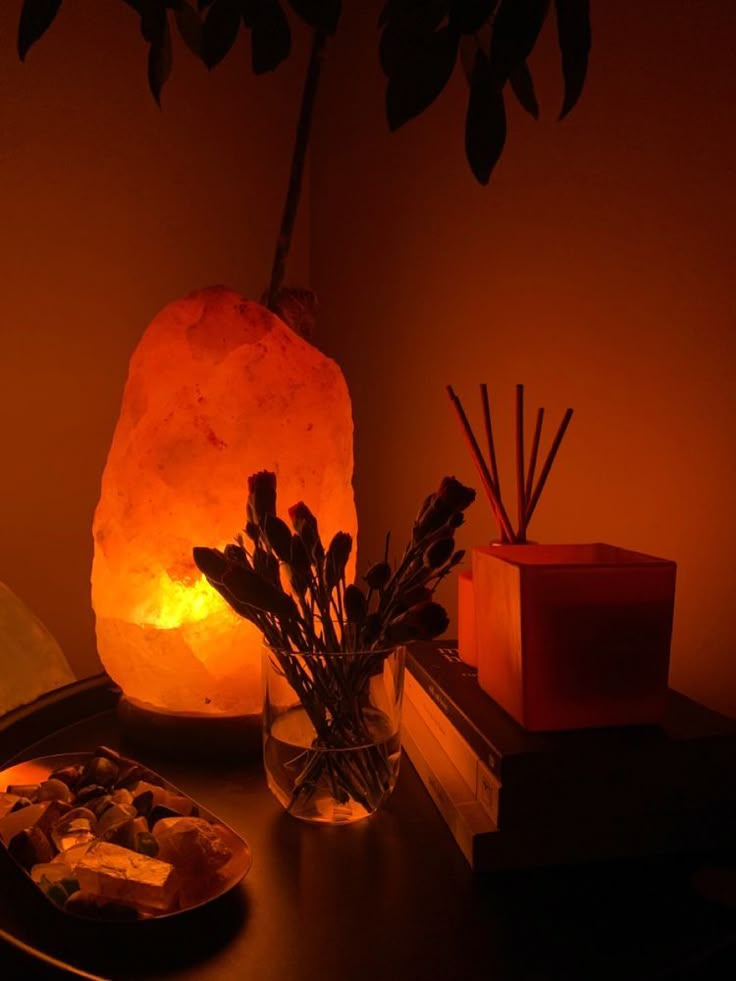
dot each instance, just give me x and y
(218, 388)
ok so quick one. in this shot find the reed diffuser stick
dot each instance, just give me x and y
(485, 475)
(528, 493)
(492, 455)
(489, 435)
(533, 460)
(548, 465)
(520, 500)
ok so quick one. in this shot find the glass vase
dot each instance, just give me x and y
(332, 731)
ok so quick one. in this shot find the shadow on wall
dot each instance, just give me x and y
(596, 268)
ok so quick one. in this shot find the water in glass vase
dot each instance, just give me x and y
(336, 779)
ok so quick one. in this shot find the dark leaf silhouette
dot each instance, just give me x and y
(574, 37)
(420, 69)
(270, 34)
(414, 15)
(322, 15)
(515, 32)
(219, 31)
(35, 19)
(522, 85)
(153, 21)
(485, 124)
(190, 27)
(159, 62)
(468, 16)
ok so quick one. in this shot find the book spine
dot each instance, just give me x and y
(466, 819)
(482, 746)
(471, 768)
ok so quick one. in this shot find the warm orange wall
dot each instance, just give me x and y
(597, 267)
(109, 209)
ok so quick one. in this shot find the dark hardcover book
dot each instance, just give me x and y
(546, 842)
(687, 763)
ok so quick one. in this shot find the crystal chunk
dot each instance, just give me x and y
(117, 873)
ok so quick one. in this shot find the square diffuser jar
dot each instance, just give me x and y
(573, 636)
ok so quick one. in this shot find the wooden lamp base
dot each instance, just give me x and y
(189, 734)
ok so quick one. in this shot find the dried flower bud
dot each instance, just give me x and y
(426, 504)
(337, 557)
(266, 565)
(236, 553)
(423, 621)
(378, 575)
(305, 525)
(299, 558)
(431, 619)
(355, 604)
(434, 517)
(454, 495)
(249, 589)
(278, 536)
(211, 562)
(439, 552)
(261, 496)
(297, 568)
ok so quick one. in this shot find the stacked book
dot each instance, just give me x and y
(513, 798)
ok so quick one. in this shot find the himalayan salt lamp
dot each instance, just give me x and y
(217, 389)
(31, 661)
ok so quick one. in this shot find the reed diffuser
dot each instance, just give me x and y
(529, 486)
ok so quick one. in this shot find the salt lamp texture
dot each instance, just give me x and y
(218, 388)
(31, 661)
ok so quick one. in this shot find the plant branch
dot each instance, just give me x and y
(298, 160)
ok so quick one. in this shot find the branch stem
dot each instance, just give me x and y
(298, 161)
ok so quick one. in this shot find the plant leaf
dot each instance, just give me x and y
(322, 15)
(159, 63)
(153, 21)
(485, 123)
(515, 32)
(468, 16)
(190, 27)
(35, 19)
(419, 74)
(270, 34)
(219, 31)
(414, 15)
(574, 38)
(522, 85)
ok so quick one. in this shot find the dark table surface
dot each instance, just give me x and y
(388, 898)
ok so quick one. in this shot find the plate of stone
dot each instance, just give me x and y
(105, 838)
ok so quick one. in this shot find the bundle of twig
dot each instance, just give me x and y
(527, 491)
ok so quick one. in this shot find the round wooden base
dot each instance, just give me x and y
(188, 734)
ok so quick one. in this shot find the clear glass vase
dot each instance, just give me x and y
(332, 731)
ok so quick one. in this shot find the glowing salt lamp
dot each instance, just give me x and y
(218, 388)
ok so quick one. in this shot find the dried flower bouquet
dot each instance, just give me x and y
(329, 638)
